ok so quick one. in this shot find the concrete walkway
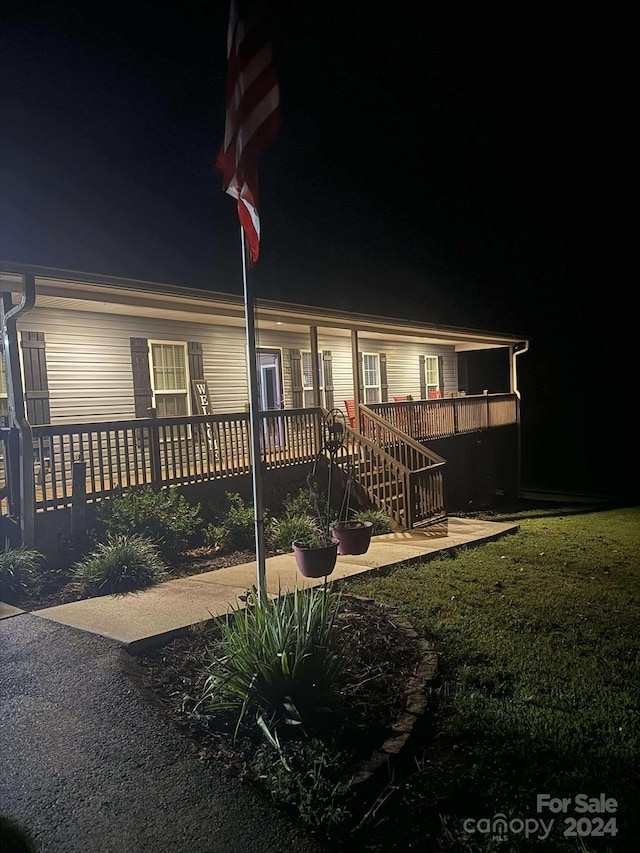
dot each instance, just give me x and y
(150, 617)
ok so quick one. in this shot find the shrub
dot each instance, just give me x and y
(121, 564)
(274, 661)
(164, 517)
(379, 519)
(18, 571)
(284, 530)
(236, 530)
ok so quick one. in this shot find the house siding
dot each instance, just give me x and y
(89, 366)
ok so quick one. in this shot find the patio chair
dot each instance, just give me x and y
(350, 406)
(435, 394)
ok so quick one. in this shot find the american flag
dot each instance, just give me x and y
(253, 113)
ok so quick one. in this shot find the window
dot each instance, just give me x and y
(431, 372)
(307, 379)
(371, 377)
(169, 380)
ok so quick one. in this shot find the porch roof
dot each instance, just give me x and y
(71, 290)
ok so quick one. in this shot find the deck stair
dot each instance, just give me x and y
(396, 473)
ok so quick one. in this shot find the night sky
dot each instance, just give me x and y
(462, 167)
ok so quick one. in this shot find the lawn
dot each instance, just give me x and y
(538, 639)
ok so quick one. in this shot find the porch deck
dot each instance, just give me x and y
(89, 461)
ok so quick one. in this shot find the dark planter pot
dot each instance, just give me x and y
(353, 537)
(316, 562)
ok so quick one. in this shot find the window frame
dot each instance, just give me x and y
(308, 389)
(429, 373)
(378, 386)
(174, 391)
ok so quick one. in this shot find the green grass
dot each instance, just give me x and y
(539, 688)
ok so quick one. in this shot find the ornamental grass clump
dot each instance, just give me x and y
(18, 568)
(381, 522)
(274, 664)
(121, 564)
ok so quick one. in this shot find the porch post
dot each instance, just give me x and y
(355, 363)
(17, 414)
(313, 340)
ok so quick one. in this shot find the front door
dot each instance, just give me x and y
(270, 393)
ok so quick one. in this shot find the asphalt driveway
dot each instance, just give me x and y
(88, 764)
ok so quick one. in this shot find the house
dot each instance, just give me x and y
(109, 383)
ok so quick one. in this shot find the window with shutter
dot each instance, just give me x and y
(307, 378)
(169, 378)
(371, 377)
(430, 375)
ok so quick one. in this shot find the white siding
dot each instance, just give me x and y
(89, 361)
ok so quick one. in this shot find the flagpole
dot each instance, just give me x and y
(255, 424)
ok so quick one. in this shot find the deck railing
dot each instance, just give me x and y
(180, 451)
(166, 451)
(400, 476)
(425, 420)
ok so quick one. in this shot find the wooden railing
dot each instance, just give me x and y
(399, 475)
(425, 420)
(166, 451)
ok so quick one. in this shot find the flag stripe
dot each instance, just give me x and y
(252, 112)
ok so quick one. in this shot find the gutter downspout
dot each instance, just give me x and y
(17, 416)
(521, 350)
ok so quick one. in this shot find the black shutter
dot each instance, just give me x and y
(327, 379)
(36, 388)
(141, 377)
(423, 377)
(297, 395)
(441, 373)
(384, 385)
(196, 367)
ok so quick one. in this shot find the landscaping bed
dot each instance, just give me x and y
(333, 776)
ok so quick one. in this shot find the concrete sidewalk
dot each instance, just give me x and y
(151, 616)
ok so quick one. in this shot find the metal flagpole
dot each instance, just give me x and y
(255, 423)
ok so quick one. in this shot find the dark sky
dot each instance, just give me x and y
(468, 167)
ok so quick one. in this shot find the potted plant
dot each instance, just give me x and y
(354, 536)
(316, 551)
(316, 554)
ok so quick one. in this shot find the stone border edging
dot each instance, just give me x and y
(415, 705)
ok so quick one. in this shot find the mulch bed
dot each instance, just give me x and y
(380, 659)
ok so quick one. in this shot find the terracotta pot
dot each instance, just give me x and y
(353, 537)
(316, 562)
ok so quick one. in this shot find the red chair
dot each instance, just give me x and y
(403, 412)
(350, 406)
(435, 394)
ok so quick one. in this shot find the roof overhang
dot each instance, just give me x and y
(75, 291)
